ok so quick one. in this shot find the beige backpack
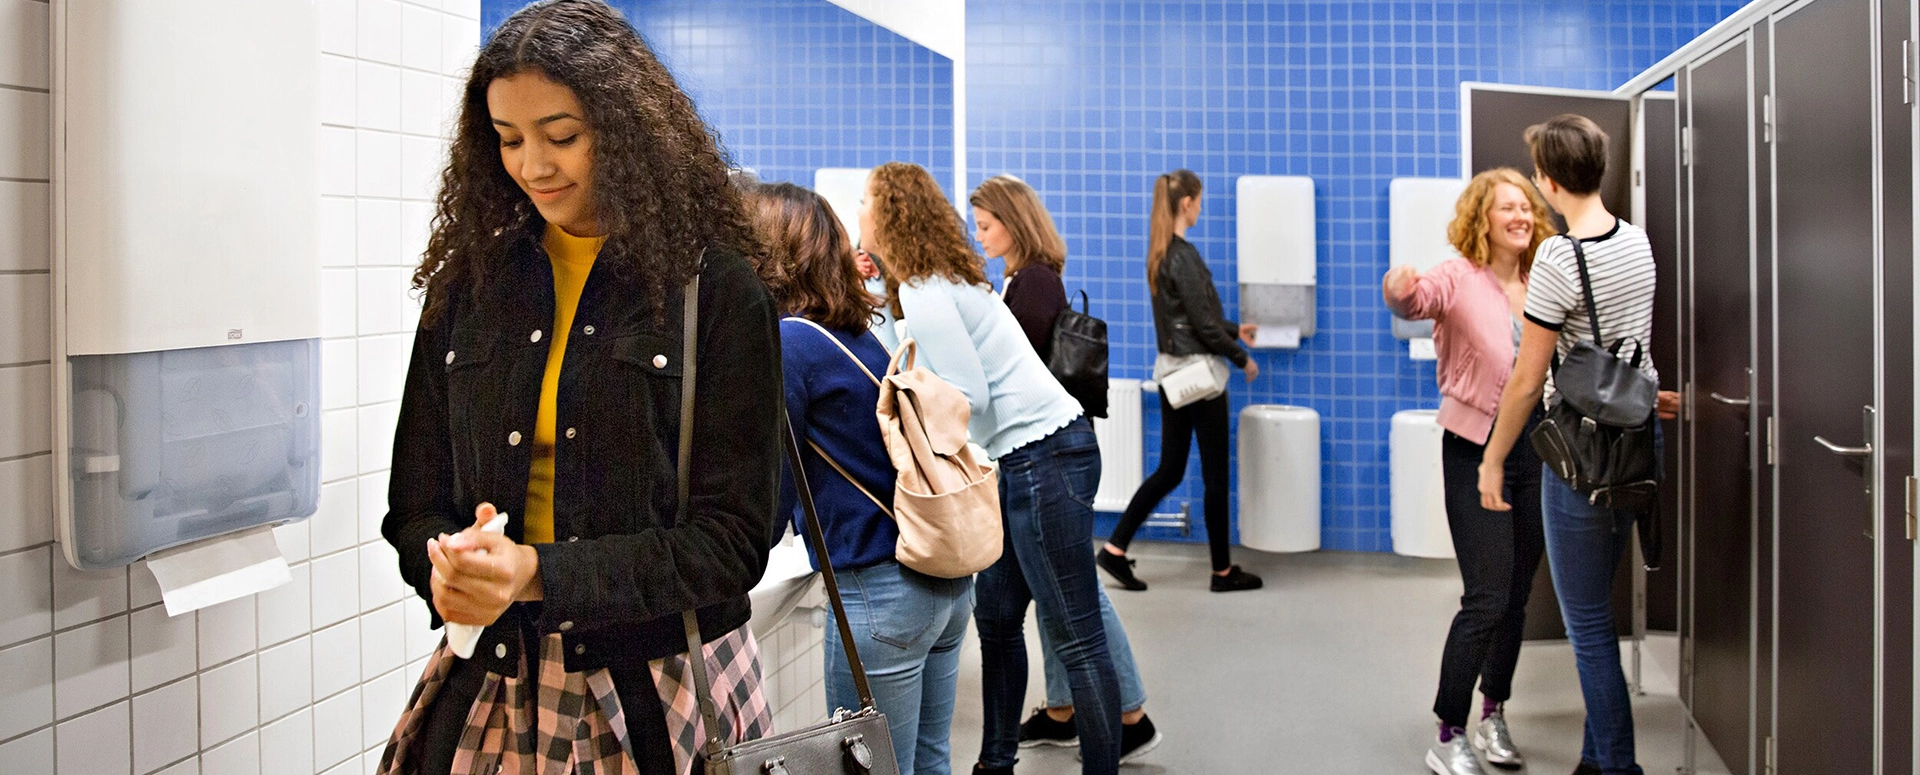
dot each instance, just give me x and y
(946, 502)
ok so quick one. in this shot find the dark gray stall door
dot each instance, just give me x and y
(1718, 689)
(1824, 264)
(1499, 117)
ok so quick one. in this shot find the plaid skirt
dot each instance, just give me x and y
(547, 721)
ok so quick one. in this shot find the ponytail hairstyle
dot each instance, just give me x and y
(1170, 191)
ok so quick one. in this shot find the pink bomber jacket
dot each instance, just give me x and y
(1472, 337)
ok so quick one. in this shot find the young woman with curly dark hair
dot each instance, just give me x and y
(1049, 469)
(582, 194)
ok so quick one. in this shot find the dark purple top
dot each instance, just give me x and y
(1036, 295)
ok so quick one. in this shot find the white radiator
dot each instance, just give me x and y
(1120, 446)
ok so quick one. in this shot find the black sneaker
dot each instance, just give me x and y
(980, 769)
(1587, 768)
(1041, 729)
(1120, 568)
(1137, 739)
(1235, 580)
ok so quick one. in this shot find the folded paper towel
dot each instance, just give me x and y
(218, 569)
(462, 638)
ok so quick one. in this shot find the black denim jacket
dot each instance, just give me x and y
(620, 570)
(1187, 318)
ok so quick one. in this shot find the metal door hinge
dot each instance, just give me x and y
(1913, 505)
(1686, 147)
(1766, 118)
(1770, 447)
(1908, 68)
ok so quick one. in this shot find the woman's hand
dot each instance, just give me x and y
(1252, 369)
(1493, 482)
(1667, 403)
(477, 574)
(1399, 282)
(1247, 332)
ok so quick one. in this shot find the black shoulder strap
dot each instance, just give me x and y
(696, 654)
(1586, 289)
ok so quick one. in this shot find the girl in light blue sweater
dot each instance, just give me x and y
(1049, 469)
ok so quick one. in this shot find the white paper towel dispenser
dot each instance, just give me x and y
(185, 276)
(1418, 211)
(1278, 257)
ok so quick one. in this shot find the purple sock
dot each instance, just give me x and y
(1449, 732)
(1489, 707)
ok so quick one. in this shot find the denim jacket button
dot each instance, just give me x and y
(536, 336)
(659, 361)
(564, 626)
(513, 439)
(579, 649)
(500, 651)
(570, 433)
(449, 357)
(588, 330)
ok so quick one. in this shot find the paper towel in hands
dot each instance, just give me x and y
(462, 638)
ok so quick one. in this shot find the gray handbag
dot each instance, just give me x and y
(851, 742)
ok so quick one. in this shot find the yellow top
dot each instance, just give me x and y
(572, 259)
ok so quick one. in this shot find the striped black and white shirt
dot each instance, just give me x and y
(1621, 266)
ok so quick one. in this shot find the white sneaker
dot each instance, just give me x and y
(1454, 757)
(1491, 737)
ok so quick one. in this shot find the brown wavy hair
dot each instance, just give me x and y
(1170, 191)
(917, 233)
(659, 173)
(806, 258)
(1018, 208)
(1472, 217)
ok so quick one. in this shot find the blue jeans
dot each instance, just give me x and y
(1584, 543)
(908, 627)
(1133, 696)
(1046, 505)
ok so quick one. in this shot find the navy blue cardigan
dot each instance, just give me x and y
(831, 403)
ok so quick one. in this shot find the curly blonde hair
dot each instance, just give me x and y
(1468, 231)
(916, 231)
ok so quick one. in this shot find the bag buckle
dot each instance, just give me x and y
(775, 766)
(858, 754)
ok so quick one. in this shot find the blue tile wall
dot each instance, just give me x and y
(796, 85)
(1088, 100)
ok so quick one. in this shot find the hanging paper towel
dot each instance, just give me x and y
(218, 569)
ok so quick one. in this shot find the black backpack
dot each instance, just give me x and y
(1079, 357)
(1597, 434)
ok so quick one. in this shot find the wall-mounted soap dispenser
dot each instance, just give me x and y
(1278, 257)
(1418, 211)
(185, 280)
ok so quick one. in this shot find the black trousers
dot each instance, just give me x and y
(1498, 553)
(1208, 419)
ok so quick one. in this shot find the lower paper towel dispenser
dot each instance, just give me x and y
(176, 446)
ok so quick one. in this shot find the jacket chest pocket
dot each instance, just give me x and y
(474, 398)
(636, 394)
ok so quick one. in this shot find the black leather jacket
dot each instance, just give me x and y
(1187, 319)
(620, 570)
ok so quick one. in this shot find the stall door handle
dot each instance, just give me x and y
(1729, 401)
(1861, 451)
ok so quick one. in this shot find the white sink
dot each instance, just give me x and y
(790, 576)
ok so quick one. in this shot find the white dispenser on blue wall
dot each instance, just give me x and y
(1277, 257)
(1418, 212)
(185, 277)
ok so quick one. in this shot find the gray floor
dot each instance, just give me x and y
(1329, 669)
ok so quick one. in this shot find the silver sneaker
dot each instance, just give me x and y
(1491, 737)
(1454, 757)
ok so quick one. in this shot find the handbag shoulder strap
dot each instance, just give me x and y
(1586, 289)
(696, 654)
(837, 343)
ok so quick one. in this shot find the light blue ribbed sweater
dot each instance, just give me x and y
(969, 338)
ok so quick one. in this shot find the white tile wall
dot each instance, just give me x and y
(95, 677)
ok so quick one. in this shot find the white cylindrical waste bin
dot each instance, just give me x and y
(1419, 503)
(1280, 478)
